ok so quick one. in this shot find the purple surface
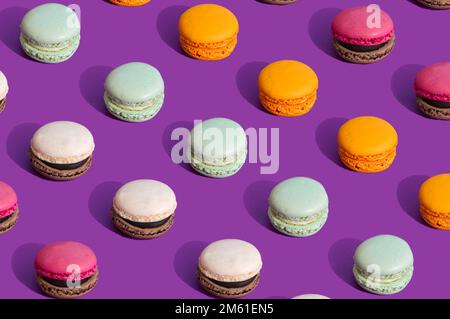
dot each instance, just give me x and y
(360, 205)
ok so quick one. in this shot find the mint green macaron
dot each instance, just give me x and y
(134, 92)
(298, 207)
(50, 33)
(218, 147)
(383, 264)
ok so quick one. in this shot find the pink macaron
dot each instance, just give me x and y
(66, 269)
(9, 211)
(363, 34)
(432, 87)
(4, 88)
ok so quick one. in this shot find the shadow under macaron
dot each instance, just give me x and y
(402, 86)
(319, 29)
(326, 138)
(10, 21)
(247, 83)
(167, 26)
(408, 196)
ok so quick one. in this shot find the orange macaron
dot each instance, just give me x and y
(130, 3)
(434, 201)
(288, 88)
(367, 144)
(208, 32)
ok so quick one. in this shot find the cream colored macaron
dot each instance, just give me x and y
(311, 296)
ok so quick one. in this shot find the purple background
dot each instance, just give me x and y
(361, 205)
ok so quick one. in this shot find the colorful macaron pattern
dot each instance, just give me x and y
(358, 38)
(208, 32)
(434, 201)
(9, 209)
(50, 33)
(66, 269)
(229, 268)
(367, 144)
(4, 89)
(383, 264)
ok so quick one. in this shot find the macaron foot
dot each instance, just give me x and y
(66, 292)
(50, 57)
(217, 290)
(383, 285)
(435, 4)
(289, 229)
(367, 164)
(364, 57)
(2, 105)
(288, 108)
(129, 3)
(9, 222)
(435, 219)
(210, 51)
(138, 232)
(433, 111)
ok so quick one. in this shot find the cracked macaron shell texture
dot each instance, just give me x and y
(8, 200)
(434, 201)
(230, 260)
(62, 142)
(433, 82)
(56, 260)
(4, 88)
(130, 3)
(436, 4)
(145, 200)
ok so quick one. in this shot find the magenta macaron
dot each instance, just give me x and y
(432, 87)
(363, 34)
(66, 269)
(9, 210)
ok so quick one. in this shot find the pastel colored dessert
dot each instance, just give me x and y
(62, 150)
(383, 264)
(9, 209)
(134, 92)
(279, 2)
(229, 268)
(436, 4)
(359, 39)
(144, 209)
(130, 3)
(50, 33)
(432, 87)
(311, 296)
(218, 147)
(298, 207)
(434, 201)
(208, 32)
(66, 269)
(4, 88)
(288, 88)
(367, 144)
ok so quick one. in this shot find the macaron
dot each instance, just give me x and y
(218, 147)
(229, 268)
(435, 4)
(208, 32)
(434, 201)
(432, 86)
(62, 150)
(367, 144)
(50, 33)
(66, 269)
(279, 2)
(130, 3)
(4, 88)
(9, 209)
(383, 264)
(359, 39)
(134, 92)
(311, 296)
(144, 209)
(298, 207)
(288, 88)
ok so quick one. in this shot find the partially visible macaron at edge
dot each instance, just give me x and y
(432, 86)
(62, 150)
(130, 3)
(434, 201)
(436, 4)
(66, 269)
(359, 39)
(298, 207)
(278, 2)
(9, 208)
(50, 33)
(4, 89)
(218, 147)
(134, 92)
(144, 209)
(229, 268)
(383, 264)
(311, 296)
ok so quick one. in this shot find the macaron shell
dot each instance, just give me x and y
(311, 296)
(58, 260)
(8, 199)
(367, 135)
(62, 142)
(130, 3)
(230, 260)
(351, 26)
(208, 23)
(434, 193)
(436, 4)
(279, 2)
(4, 88)
(288, 79)
(433, 82)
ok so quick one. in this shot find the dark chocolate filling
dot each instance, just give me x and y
(438, 104)
(4, 219)
(149, 224)
(66, 167)
(237, 284)
(63, 283)
(362, 48)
